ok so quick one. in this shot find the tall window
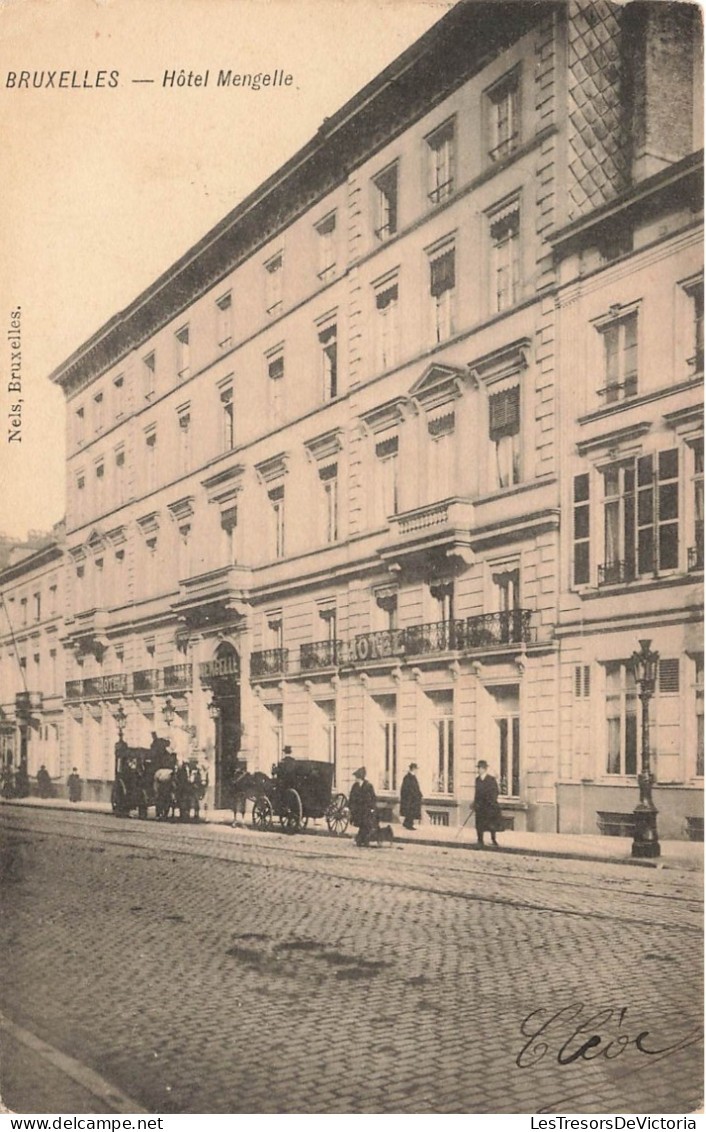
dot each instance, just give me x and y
(100, 484)
(182, 353)
(224, 321)
(504, 433)
(37, 601)
(696, 292)
(443, 768)
(505, 237)
(641, 517)
(696, 552)
(326, 232)
(149, 367)
(329, 481)
(276, 496)
(441, 429)
(151, 458)
(441, 159)
(184, 421)
(80, 495)
(120, 475)
(385, 186)
(442, 285)
(119, 395)
(621, 718)
(227, 418)
(327, 721)
(229, 526)
(504, 116)
(386, 307)
(98, 411)
(80, 425)
(274, 732)
(273, 284)
(620, 358)
(328, 342)
(386, 478)
(389, 754)
(275, 373)
(506, 583)
(507, 738)
(582, 530)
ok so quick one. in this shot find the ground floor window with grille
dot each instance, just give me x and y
(507, 739)
(442, 743)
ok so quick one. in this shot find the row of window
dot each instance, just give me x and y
(670, 732)
(29, 608)
(441, 288)
(643, 516)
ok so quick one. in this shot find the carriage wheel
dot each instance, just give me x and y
(262, 813)
(292, 815)
(337, 815)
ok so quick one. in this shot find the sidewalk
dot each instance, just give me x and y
(687, 855)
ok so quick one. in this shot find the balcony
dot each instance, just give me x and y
(435, 637)
(98, 687)
(615, 573)
(695, 557)
(447, 513)
(269, 662)
(146, 680)
(320, 654)
(74, 690)
(178, 676)
(510, 627)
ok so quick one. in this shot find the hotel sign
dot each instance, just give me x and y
(372, 646)
(222, 666)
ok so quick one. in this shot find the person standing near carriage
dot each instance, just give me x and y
(410, 798)
(239, 790)
(486, 806)
(362, 805)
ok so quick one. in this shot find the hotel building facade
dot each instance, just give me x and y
(365, 473)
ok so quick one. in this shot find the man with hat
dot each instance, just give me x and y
(361, 804)
(485, 804)
(410, 798)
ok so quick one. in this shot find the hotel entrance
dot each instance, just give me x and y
(222, 675)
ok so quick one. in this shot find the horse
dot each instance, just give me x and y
(190, 785)
(246, 787)
(164, 793)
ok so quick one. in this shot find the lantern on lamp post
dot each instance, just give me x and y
(121, 719)
(645, 839)
(168, 711)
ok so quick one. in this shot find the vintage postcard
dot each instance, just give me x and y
(351, 561)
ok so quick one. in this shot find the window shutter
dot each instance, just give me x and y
(229, 518)
(275, 368)
(669, 676)
(504, 413)
(443, 273)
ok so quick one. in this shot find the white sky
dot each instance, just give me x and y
(102, 190)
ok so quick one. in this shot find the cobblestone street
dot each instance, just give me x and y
(204, 969)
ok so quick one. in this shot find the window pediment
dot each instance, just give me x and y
(385, 416)
(181, 509)
(614, 440)
(272, 469)
(149, 524)
(225, 484)
(324, 446)
(438, 385)
(507, 361)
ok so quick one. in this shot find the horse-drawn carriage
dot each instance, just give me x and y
(150, 776)
(298, 789)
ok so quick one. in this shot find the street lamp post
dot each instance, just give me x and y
(121, 719)
(168, 711)
(645, 840)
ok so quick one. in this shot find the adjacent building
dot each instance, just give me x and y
(366, 472)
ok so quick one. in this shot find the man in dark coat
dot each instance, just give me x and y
(43, 782)
(74, 784)
(410, 798)
(362, 803)
(485, 804)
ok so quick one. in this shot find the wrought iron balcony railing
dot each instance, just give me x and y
(509, 627)
(99, 686)
(320, 654)
(146, 680)
(437, 636)
(178, 676)
(612, 573)
(269, 662)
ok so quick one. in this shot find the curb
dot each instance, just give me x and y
(501, 850)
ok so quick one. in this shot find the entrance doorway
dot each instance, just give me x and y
(225, 689)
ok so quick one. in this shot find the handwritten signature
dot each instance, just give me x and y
(576, 1033)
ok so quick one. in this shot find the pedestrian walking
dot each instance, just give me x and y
(485, 805)
(43, 782)
(362, 806)
(240, 785)
(410, 798)
(75, 786)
